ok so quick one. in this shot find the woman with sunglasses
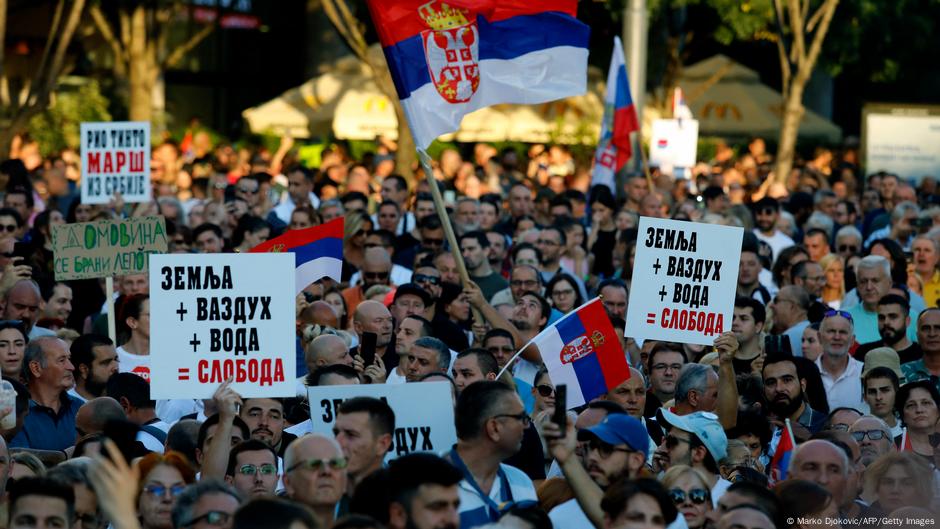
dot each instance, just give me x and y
(918, 404)
(13, 340)
(898, 480)
(689, 490)
(834, 289)
(563, 293)
(543, 392)
(163, 478)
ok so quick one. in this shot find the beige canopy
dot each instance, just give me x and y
(347, 103)
(739, 105)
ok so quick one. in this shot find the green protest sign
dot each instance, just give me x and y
(107, 248)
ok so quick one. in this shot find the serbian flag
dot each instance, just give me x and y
(615, 146)
(583, 351)
(449, 58)
(781, 460)
(318, 251)
(906, 445)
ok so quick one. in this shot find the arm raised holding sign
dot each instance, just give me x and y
(727, 408)
(215, 460)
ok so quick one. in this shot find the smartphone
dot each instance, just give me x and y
(367, 348)
(560, 416)
(124, 435)
(22, 249)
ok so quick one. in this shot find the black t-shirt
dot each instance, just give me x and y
(910, 354)
(530, 458)
(603, 251)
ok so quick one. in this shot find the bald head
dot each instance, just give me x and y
(320, 312)
(22, 303)
(94, 414)
(823, 463)
(326, 350)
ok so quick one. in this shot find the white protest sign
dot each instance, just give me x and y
(424, 413)
(905, 142)
(115, 158)
(685, 276)
(674, 143)
(218, 316)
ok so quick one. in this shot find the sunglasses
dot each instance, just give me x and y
(545, 390)
(831, 313)
(696, 496)
(252, 470)
(847, 248)
(375, 275)
(874, 435)
(421, 278)
(433, 242)
(337, 463)
(672, 441)
(215, 518)
(10, 228)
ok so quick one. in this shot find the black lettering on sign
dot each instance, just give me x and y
(670, 239)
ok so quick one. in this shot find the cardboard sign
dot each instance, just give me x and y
(107, 248)
(115, 159)
(674, 143)
(424, 413)
(685, 276)
(221, 316)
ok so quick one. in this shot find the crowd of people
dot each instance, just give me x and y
(835, 336)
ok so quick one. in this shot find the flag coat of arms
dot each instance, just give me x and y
(780, 463)
(582, 350)
(615, 146)
(318, 252)
(449, 58)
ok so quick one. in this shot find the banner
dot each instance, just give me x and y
(424, 413)
(221, 316)
(106, 248)
(674, 143)
(115, 159)
(689, 274)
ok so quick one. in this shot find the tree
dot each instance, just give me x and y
(34, 96)
(138, 42)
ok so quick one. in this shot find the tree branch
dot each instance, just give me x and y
(344, 29)
(65, 38)
(796, 26)
(125, 23)
(104, 28)
(816, 45)
(813, 20)
(180, 52)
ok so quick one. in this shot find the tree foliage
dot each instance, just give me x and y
(57, 127)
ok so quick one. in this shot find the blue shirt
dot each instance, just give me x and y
(46, 429)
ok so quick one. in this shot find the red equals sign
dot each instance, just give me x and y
(184, 373)
(651, 318)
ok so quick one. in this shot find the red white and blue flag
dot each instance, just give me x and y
(449, 58)
(616, 145)
(780, 463)
(582, 350)
(318, 252)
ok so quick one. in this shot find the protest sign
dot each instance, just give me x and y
(218, 316)
(674, 143)
(424, 413)
(106, 248)
(685, 276)
(115, 159)
(901, 139)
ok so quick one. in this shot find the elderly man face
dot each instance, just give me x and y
(372, 316)
(873, 438)
(873, 284)
(847, 245)
(315, 473)
(925, 256)
(822, 463)
(836, 334)
(928, 331)
(22, 303)
(630, 394)
(376, 268)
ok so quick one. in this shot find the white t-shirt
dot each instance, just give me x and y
(131, 363)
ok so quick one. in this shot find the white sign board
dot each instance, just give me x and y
(907, 145)
(220, 316)
(685, 276)
(424, 413)
(115, 159)
(674, 143)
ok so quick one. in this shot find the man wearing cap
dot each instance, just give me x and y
(893, 320)
(881, 383)
(617, 449)
(928, 336)
(839, 371)
(696, 440)
(410, 300)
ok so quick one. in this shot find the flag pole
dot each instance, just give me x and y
(643, 163)
(445, 222)
(790, 431)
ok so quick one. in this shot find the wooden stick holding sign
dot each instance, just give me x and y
(448, 229)
(109, 296)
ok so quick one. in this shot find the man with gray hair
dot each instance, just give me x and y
(873, 437)
(873, 277)
(901, 229)
(848, 241)
(840, 372)
(696, 389)
(315, 474)
(428, 355)
(50, 423)
(467, 215)
(208, 503)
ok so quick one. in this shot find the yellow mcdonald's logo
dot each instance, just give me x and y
(721, 110)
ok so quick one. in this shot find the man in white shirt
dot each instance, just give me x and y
(299, 193)
(840, 372)
(766, 213)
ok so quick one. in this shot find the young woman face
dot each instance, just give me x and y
(563, 296)
(812, 347)
(896, 488)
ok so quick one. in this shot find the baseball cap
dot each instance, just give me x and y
(414, 290)
(619, 429)
(704, 425)
(883, 357)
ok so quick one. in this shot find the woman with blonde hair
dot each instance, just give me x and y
(899, 479)
(834, 290)
(357, 225)
(690, 492)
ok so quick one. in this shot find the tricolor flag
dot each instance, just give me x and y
(318, 251)
(583, 351)
(620, 121)
(906, 445)
(781, 460)
(449, 58)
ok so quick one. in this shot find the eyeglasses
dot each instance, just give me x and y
(216, 518)
(421, 278)
(605, 450)
(839, 427)
(375, 275)
(696, 496)
(831, 313)
(10, 228)
(566, 292)
(522, 417)
(847, 248)
(672, 441)
(159, 491)
(528, 283)
(545, 390)
(337, 463)
(874, 435)
(248, 191)
(266, 469)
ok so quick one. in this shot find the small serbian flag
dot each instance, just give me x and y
(449, 58)
(781, 460)
(318, 251)
(582, 350)
(906, 445)
(620, 121)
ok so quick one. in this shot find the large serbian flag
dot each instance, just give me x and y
(620, 121)
(780, 463)
(318, 251)
(583, 351)
(449, 58)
